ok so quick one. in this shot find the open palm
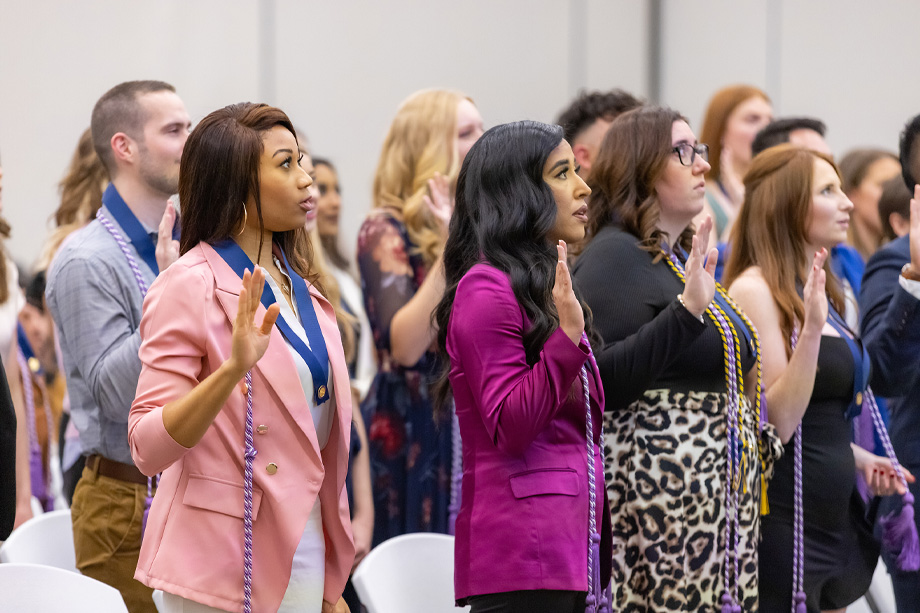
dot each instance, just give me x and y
(250, 341)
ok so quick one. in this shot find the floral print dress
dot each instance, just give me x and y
(410, 453)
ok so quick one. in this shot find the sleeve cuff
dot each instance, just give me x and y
(909, 286)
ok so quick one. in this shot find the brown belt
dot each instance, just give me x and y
(115, 470)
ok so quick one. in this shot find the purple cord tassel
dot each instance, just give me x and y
(799, 600)
(900, 532)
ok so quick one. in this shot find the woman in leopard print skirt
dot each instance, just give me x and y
(687, 455)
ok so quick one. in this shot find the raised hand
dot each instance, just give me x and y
(167, 250)
(699, 272)
(250, 341)
(915, 230)
(440, 202)
(730, 180)
(571, 317)
(814, 295)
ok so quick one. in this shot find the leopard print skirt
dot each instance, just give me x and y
(666, 463)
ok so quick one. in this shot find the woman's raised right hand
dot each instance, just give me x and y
(815, 295)
(571, 317)
(250, 341)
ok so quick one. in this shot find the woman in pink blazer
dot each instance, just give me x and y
(532, 533)
(244, 401)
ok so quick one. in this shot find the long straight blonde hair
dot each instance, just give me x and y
(421, 142)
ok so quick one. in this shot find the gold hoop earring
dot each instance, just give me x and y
(245, 220)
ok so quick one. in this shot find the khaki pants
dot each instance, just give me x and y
(107, 515)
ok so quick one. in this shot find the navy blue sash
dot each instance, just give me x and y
(316, 356)
(137, 235)
(27, 351)
(861, 363)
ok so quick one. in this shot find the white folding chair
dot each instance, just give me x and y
(43, 589)
(45, 539)
(412, 573)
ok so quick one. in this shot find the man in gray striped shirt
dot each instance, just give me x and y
(94, 292)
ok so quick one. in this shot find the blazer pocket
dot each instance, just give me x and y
(220, 496)
(563, 481)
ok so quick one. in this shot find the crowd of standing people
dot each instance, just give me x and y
(629, 368)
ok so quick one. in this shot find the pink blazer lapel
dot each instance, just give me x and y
(276, 367)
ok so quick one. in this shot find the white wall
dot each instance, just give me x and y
(341, 68)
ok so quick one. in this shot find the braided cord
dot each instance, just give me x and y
(597, 601)
(29, 397)
(456, 468)
(249, 455)
(125, 249)
(798, 519)
(735, 441)
(886, 440)
(142, 286)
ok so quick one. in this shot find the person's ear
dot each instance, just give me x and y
(582, 156)
(899, 224)
(123, 147)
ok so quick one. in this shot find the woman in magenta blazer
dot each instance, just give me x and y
(244, 401)
(520, 368)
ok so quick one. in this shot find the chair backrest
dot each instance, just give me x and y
(45, 539)
(43, 589)
(412, 573)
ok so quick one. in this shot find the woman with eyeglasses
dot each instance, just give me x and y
(685, 452)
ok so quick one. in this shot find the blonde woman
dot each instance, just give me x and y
(400, 248)
(81, 196)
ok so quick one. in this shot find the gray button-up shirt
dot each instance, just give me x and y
(97, 305)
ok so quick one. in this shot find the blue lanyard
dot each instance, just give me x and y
(27, 351)
(316, 356)
(861, 363)
(137, 235)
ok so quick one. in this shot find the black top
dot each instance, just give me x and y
(828, 467)
(650, 340)
(7, 459)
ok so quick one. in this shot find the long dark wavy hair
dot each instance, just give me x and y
(218, 172)
(503, 215)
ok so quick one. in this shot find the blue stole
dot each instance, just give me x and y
(27, 351)
(315, 355)
(136, 234)
(861, 363)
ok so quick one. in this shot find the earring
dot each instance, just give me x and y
(245, 219)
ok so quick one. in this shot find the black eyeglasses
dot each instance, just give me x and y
(687, 153)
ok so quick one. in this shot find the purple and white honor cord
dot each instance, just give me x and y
(456, 470)
(598, 600)
(733, 426)
(730, 599)
(250, 455)
(38, 475)
(125, 249)
(798, 517)
(142, 286)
